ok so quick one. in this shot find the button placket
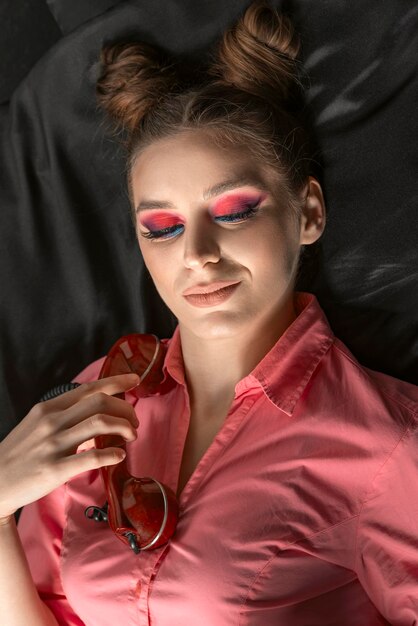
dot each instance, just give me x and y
(223, 438)
(145, 584)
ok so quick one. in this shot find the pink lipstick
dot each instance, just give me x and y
(208, 287)
(211, 298)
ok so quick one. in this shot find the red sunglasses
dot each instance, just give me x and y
(142, 512)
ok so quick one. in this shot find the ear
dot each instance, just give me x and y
(313, 212)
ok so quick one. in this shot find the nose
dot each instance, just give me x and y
(201, 246)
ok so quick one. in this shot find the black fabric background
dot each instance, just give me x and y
(71, 276)
(28, 30)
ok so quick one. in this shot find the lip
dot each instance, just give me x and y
(209, 287)
(212, 298)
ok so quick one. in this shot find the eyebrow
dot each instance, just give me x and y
(216, 190)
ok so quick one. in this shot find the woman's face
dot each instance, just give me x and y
(189, 235)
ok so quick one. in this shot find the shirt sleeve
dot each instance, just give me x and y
(387, 542)
(40, 527)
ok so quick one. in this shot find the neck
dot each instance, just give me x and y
(213, 366)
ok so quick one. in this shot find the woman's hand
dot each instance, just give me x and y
(39, 454)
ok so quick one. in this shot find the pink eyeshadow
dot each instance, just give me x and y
(158, 221)
(235, 203)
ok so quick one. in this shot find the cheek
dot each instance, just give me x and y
(159, 265)
(270, 252)
(152, 261)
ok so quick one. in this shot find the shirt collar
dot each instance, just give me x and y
(286, 369)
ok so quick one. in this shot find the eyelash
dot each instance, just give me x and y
(171, 231)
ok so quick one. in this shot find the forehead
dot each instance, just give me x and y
(187, 164)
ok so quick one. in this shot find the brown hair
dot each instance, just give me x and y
(249, 93)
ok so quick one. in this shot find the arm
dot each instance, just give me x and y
(40, 529)
(387, 544)
(36, 458)
(19, 598)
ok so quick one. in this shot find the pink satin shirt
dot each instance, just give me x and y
(302, 512)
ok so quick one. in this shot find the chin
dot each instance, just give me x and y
(217, 325)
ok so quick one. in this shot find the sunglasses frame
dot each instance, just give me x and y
(142, 512)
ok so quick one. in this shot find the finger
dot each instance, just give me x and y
(97, 403)
(109, 385)
(90, 460)
(93, 426)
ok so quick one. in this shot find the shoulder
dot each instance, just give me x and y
(387, 391)
(375, 410)
(90, 372)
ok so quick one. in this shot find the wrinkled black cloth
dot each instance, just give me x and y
(72, 277)
(28, 30)
(69, 14)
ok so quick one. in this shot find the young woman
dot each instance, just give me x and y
(294, 466)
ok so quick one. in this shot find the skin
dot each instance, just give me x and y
(39, 454)
(261, 252)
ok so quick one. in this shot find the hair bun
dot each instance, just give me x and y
(134, 77)
(259, 55)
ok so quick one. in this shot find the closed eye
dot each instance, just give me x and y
(164, 233)
(173, 231)
(249, 212)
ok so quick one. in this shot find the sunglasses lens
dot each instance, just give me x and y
(152, 510)
(141, 354)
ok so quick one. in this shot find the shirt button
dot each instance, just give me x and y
(138, 589)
